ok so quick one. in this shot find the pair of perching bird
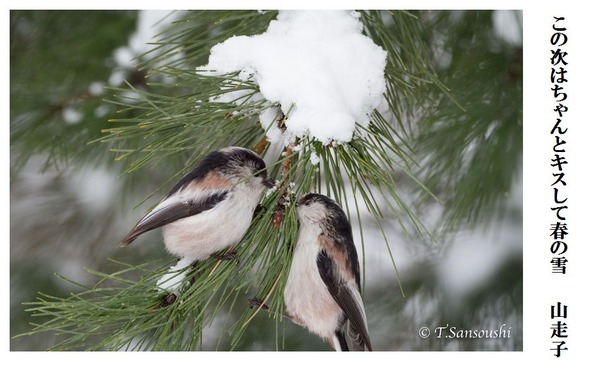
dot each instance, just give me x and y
(210, 209)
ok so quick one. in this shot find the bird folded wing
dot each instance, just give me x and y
(344, 291)
(172, 209)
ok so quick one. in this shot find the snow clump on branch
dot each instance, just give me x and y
(318, 66)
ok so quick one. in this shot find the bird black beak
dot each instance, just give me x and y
(268, 182)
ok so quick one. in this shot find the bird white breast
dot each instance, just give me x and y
(306, 297)
(199, 236)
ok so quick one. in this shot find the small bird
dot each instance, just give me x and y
(322, 292)
(208, 210)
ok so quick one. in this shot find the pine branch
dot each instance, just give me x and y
(166, 121)
(475, 154)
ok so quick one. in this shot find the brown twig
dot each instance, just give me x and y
(277, 218)
(264, 300)
(261, 145)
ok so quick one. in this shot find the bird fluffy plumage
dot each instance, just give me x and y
(208, 210)
(322, 292)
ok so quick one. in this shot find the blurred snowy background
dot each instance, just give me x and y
(70, 205)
